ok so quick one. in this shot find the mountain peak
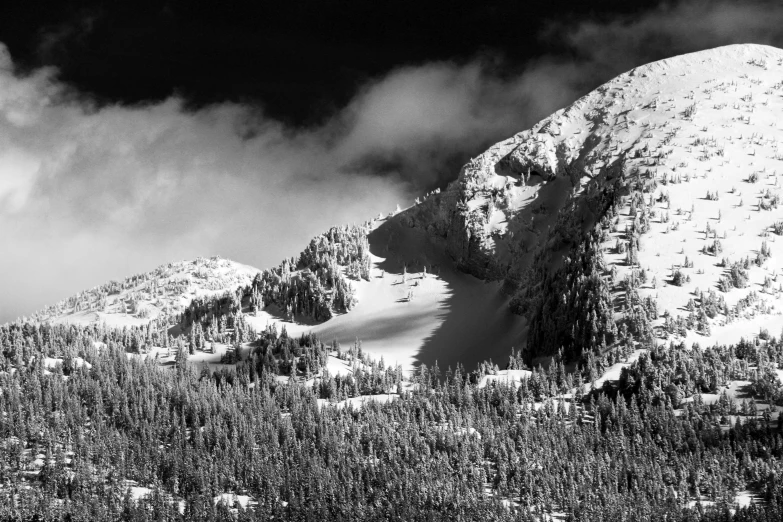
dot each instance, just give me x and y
(676, 161)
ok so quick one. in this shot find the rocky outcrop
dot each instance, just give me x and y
(464, 242)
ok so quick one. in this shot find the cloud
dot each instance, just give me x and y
(415, 118)
(90, 193)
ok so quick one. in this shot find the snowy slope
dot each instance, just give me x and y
(159, 294)
(425, 313)
(704, 126)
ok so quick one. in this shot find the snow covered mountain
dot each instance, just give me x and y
(647, 209)
(677, 164)
(618, 233)
(160, 294)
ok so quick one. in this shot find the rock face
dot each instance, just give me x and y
(690, 146)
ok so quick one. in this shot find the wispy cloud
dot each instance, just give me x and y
(92, 193)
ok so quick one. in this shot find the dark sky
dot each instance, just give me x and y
(300, 60)
(134, 134)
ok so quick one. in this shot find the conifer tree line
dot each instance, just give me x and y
(575, 304)
(447, 448)
(571, 308)
(318, 284)
(276, 426)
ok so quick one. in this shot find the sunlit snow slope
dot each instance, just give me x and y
(704, 128)
(160, 294)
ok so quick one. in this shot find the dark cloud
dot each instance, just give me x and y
(89, 193)
(53, 42)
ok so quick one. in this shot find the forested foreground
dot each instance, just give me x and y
(74, 433)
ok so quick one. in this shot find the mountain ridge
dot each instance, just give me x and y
(631, 140)
(661, 137)
(158, 294)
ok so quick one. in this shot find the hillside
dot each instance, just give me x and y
(412, 306)
(672, 165)
(603, 289)
(665, 178)
(161, 294)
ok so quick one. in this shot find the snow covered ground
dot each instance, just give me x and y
(706, 127)
(451, 318)
(513, 377)
(161, 293)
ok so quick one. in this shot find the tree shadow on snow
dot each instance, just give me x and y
(475, 321)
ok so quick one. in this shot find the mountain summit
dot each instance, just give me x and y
(649, 205)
